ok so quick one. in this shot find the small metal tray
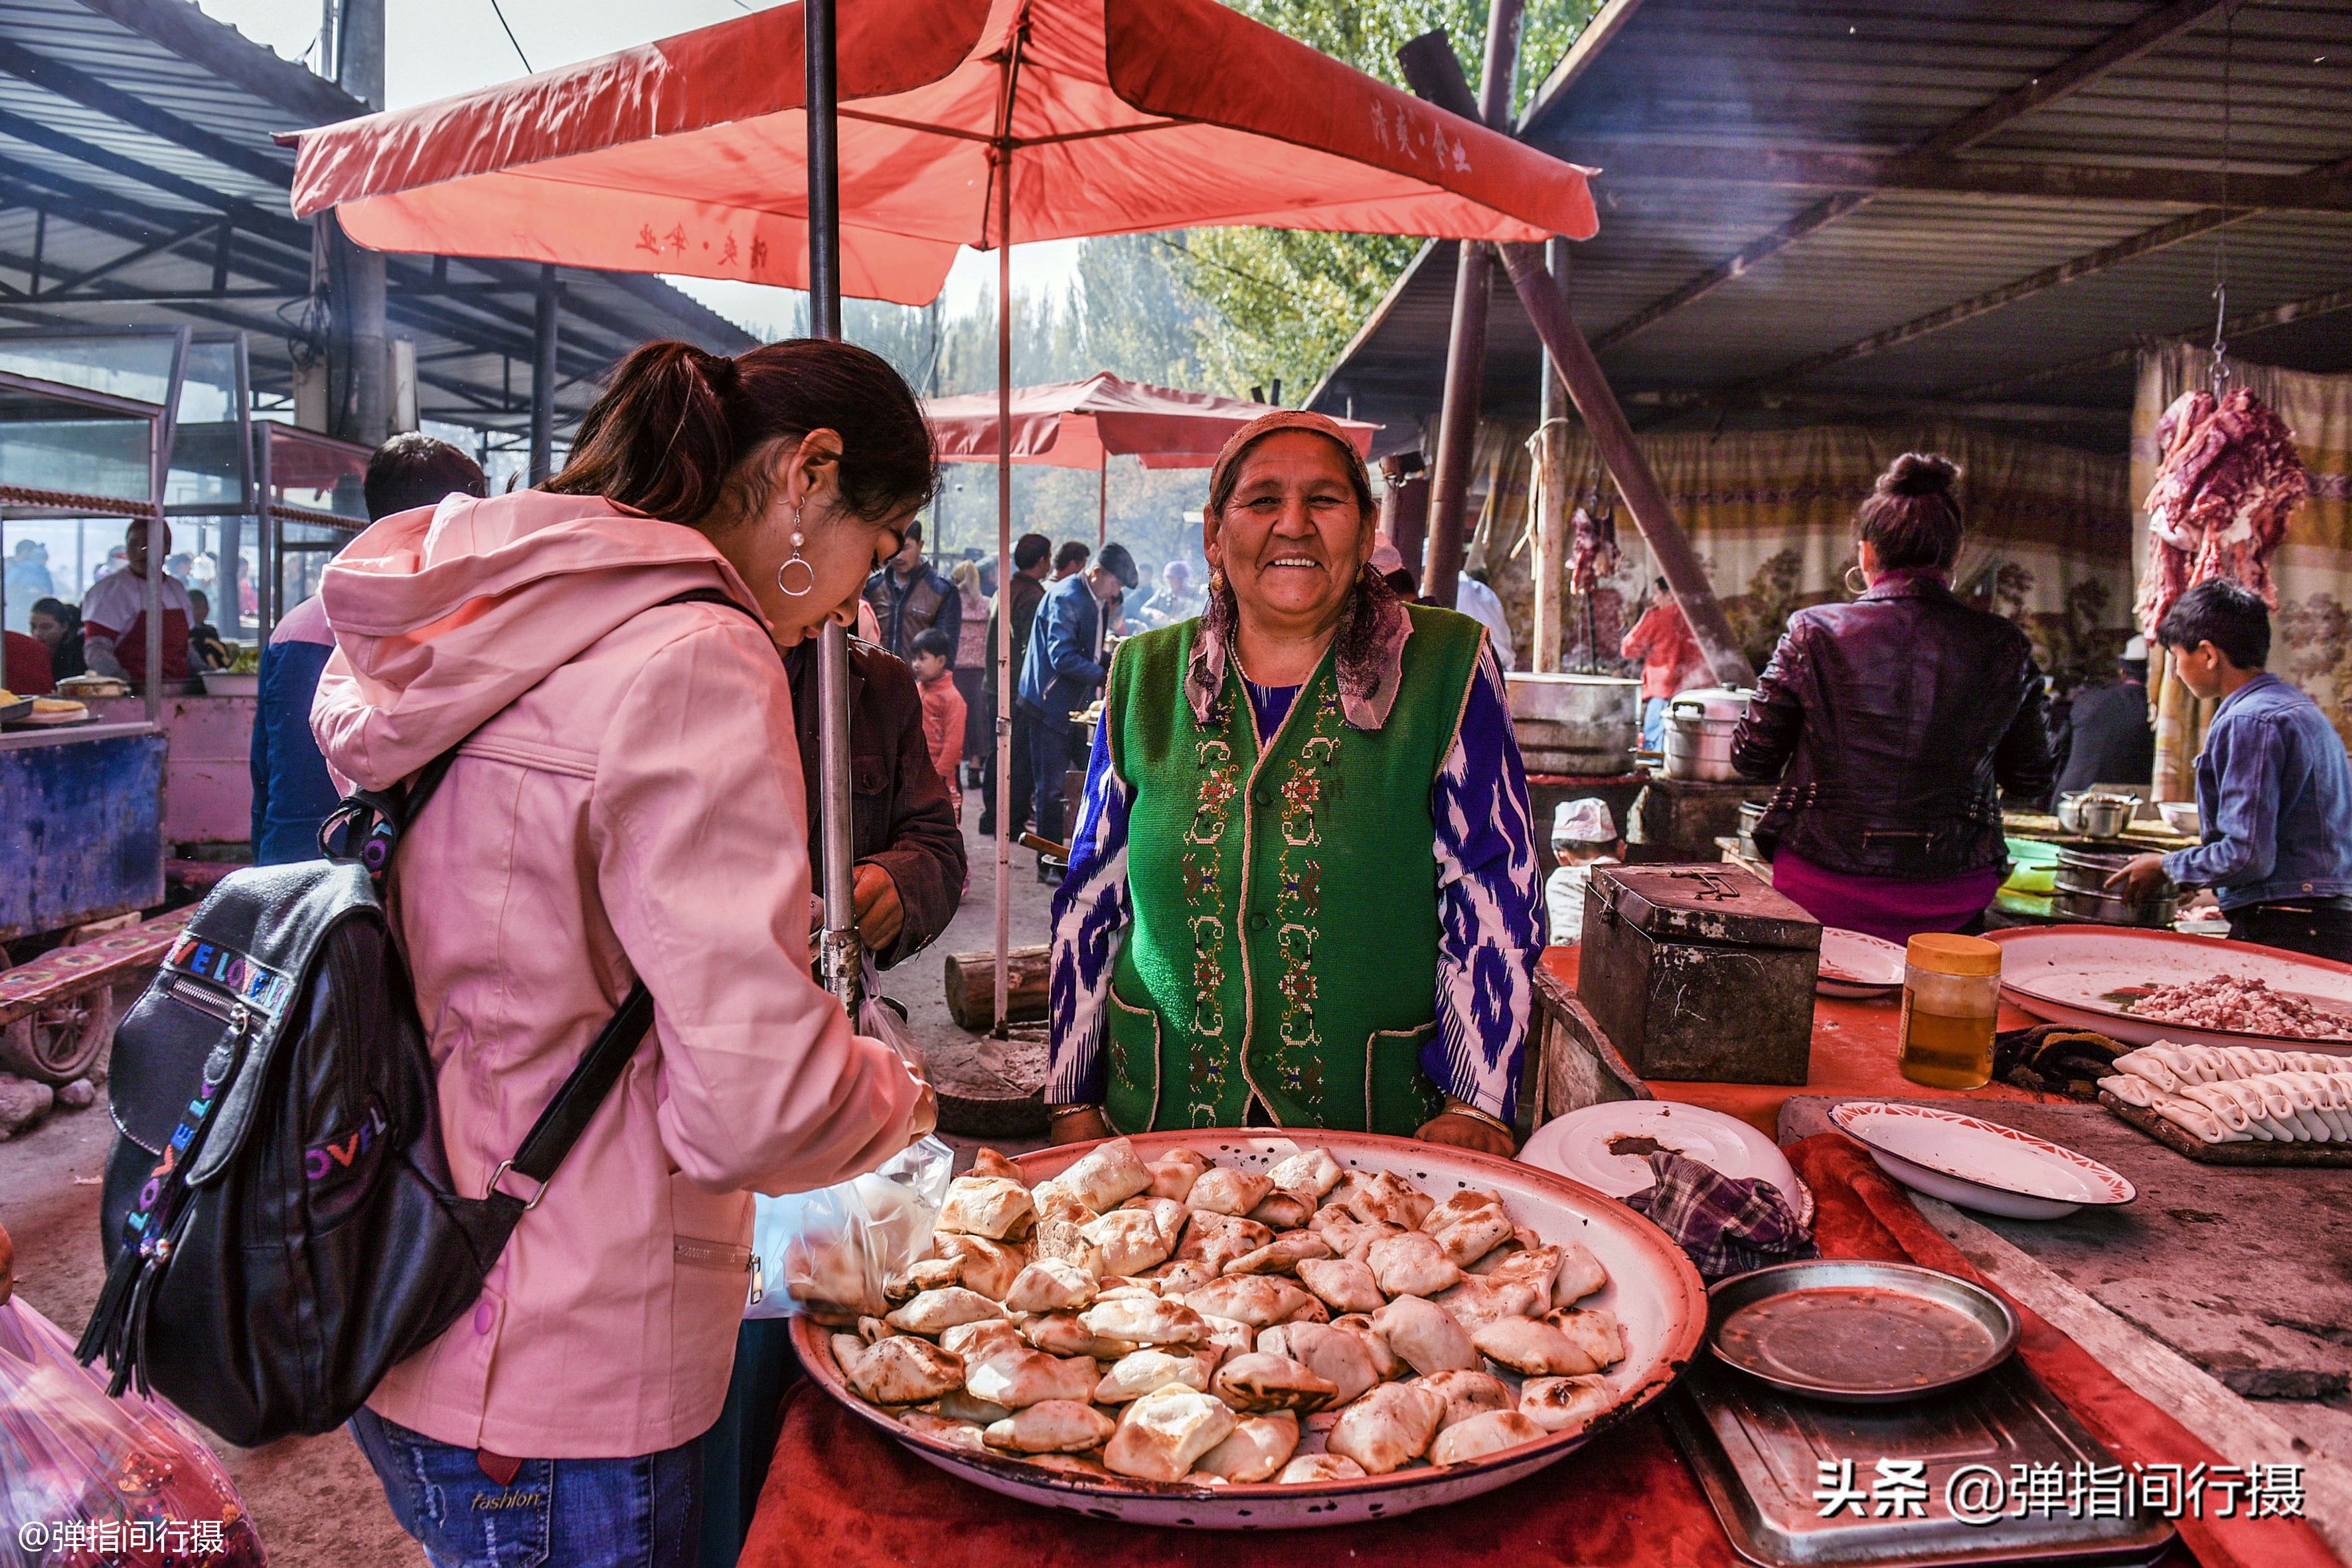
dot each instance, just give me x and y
(12, 712)
(1759, 1456)
(1856, 1330)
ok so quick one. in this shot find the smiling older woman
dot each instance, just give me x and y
(1304, 889)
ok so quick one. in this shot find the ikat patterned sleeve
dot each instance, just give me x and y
(1090, 909)
(1489, 905)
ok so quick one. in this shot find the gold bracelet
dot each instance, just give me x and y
(1457, 1108)
(1056, 1112)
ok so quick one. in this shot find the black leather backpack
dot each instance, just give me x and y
(287, 1227)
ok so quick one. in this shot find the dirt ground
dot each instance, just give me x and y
(314, 1498)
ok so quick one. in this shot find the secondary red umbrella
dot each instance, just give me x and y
(1084, 423)
(1080, 423)
(958, 122)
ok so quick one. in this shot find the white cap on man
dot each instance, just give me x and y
(1585, 821)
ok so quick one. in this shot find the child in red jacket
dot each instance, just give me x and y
(943, 708)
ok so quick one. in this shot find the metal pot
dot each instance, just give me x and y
(1751, 812)
(1576, 724)
(1699, 726)
(2082, 893)
(2095, 815)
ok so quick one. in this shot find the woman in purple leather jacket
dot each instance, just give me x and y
(1893, 724)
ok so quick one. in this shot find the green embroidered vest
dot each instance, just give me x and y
(1285, 889)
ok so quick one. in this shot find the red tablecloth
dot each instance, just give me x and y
(840, 1496)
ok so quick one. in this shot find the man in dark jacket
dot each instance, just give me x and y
(1065, 671)
(909, 852)
(1026, 588)
(909, 597)
(2105, 737)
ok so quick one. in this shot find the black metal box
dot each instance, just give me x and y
(1700, 972)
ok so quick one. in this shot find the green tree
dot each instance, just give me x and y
(1286, 301)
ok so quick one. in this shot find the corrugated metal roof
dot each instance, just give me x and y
(1949, 275)
(128, 124)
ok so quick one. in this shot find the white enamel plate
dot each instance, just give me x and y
(1980, 1164)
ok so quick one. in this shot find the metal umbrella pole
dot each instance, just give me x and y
(838, 948)
(1008, 83)
(1005, 674)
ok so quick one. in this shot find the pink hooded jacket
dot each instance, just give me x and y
(626, 800)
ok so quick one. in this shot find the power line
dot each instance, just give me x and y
(500, 12)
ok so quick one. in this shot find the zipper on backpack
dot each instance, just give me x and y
(229, 1011)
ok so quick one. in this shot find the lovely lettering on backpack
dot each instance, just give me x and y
(257, 985)
(324, 1160)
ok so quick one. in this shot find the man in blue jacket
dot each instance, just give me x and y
(2274, 786)
(291, 791)
(1065, 670)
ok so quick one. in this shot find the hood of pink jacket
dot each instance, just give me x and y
(445, 616)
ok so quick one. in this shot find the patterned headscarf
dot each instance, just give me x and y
(1373, 628)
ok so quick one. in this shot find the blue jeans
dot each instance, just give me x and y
(642, 1513)
(1654, 723)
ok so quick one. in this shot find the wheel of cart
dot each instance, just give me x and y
(59, 1011)
(57, 1045)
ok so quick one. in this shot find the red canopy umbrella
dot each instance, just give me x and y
(1074, 117)
(1122, 116)
(1084, 423)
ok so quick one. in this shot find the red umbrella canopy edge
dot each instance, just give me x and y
(1122, 116)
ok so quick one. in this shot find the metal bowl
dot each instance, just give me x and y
(1856, 1330)
(1656, 1294)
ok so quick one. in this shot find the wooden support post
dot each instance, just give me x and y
(1466, 349)
(1588, 387)
(1550, 462)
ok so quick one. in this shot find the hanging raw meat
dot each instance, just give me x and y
(2228, 479)
(1592, 553)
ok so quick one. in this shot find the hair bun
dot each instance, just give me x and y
(1919, 474)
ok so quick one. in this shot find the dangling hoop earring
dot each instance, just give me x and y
(1856, 589)
(807, 571)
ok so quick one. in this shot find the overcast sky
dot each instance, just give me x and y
(437, 47)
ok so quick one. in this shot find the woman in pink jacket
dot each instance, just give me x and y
(626, 801)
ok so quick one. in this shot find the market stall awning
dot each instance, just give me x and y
(1080, 423)
(1126, 116)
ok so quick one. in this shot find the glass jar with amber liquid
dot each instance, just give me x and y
(1951, 997)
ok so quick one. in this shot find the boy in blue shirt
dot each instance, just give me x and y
(2274, 786)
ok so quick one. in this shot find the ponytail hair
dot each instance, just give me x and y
(672, 432)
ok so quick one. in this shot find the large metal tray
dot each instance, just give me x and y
(1655, 1291)
(1758, 1455)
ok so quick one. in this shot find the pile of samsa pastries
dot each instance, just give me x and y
(1178, 1321)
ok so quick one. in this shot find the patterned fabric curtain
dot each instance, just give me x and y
(2311, 635)
(1771, 514)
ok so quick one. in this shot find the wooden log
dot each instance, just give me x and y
(970, 981)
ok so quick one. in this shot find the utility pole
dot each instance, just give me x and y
(358, 39)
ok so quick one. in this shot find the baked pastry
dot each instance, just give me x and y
(1565, 1404)
(1163, 1433)
(1254, 1450)
(1483, 1434)
(1387, 1429)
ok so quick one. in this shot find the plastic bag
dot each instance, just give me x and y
(92, 1482)
(827, 1253)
